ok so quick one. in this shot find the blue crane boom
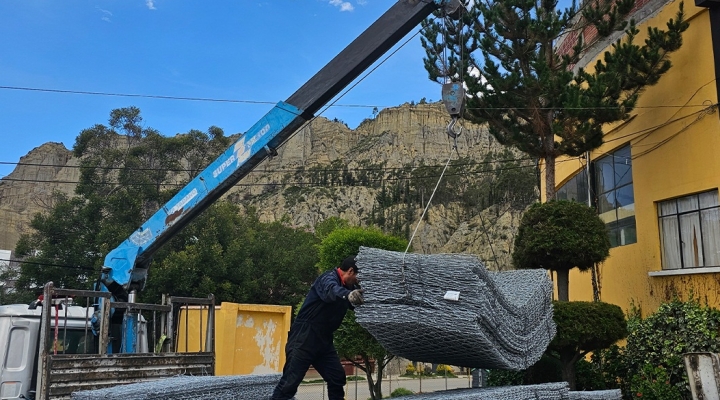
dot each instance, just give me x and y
(125, 268)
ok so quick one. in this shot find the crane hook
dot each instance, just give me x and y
(451, 128)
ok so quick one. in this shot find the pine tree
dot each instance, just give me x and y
(530, 96)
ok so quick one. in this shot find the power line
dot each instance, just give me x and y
(240, 101)
(47, 264)
(152, 96)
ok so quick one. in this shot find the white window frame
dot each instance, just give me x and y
(689, 228)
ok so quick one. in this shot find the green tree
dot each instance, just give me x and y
(63, 248)
(528, 93)
(584, 327)
(352, 341)
(239, 259)
(326, 227)
(560, 236)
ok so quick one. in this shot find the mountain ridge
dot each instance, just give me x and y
(367, 176)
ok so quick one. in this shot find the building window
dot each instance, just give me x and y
(575, 189)
(690, 231)
(615, 198)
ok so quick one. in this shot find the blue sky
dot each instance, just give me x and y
(219, 49)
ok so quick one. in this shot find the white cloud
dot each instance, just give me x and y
(361, 2)
(150, 4)
(105, 14)
(344, 5)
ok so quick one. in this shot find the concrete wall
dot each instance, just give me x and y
(249, 338)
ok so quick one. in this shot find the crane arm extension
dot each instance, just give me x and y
(125, 267)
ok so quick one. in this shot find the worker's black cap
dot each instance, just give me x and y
(347, 263)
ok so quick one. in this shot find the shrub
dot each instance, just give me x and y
(654, 383)
(660, 340)
(588, 376)
(499, 377)
(445, 370)
(399, 392)
(410, 369)
(546, 369)
(584, 327)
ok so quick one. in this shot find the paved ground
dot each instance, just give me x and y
(358, 390)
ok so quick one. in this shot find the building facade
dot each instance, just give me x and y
(655, 179)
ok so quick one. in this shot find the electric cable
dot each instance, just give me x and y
(47, 264)
(265, 102)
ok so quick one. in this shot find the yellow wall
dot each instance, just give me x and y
(689, 162)
(249, 338)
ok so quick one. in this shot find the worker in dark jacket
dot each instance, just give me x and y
(310, 341)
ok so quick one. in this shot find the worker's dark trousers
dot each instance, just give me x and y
(298, 360)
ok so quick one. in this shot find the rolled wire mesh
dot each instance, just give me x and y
(500, 320)
(189, 388)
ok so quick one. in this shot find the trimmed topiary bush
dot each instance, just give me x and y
(560, 236)
(584, 327)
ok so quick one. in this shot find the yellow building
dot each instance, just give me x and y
(655, 180)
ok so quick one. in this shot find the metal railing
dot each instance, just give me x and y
(71, 352)
(185, 305)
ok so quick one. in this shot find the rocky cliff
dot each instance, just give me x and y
(325, 170)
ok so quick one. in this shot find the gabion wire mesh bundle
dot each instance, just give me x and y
(546, 391)
(613, 394)
(500, 320)
(241, 387)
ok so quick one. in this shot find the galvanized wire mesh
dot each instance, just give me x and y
(500, 320)
(241, 387)
(546, 391)
(614, 394)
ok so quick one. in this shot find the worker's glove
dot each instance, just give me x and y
(356, 297)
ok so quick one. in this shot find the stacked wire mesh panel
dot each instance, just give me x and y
(546, 391)
(448, 309)
(240, 387)
(613, 394)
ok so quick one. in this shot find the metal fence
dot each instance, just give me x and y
(72, 358)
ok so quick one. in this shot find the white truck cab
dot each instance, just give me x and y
(19, 339)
